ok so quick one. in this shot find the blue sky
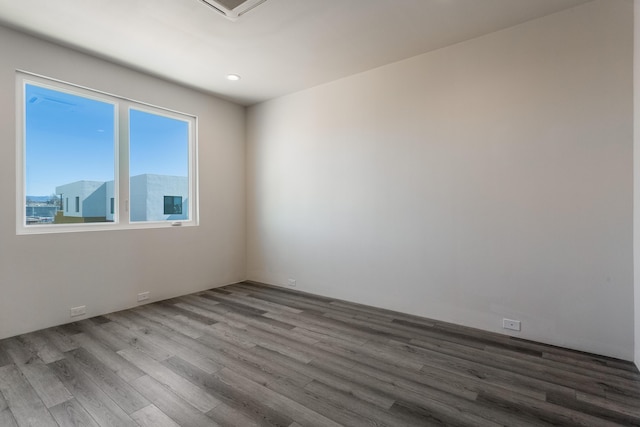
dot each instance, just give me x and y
(157, 144)
(71, 138)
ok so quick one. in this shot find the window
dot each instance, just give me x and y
(172, 205)
(116, 158)
(158, 164)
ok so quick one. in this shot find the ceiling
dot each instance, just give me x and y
(279, 47)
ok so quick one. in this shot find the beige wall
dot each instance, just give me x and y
(42, 276)
(636, 180)
(485, 180)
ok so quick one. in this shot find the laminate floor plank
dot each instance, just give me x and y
(511, 381)
(18, 352)
(596, 408)
(99, 320)
(122, 367)
(233, 305)
(232, 337)
(151, 416)
(191, 314)
(207, 308)
(251, 355)
(564, 361)
(576, 354)
(157, 336)
(331, 308)
(226, 314)
(394, 386)
(242, 320)
(182, 345)
(379, 313)
(88, 394)
(361, 355)
(114, 386)
(548, 412)
(269, 340)
(329, 394)
(6, 417)
(223, 354)
(475, 376)
(632, 411)
(106, 338)
(152, 313)
(554, 375)
(171, 404)
(546, 363)
(137, 341)
(45, 383)
(344, 325)
(336, 411)
(257, 303)
(60, 339)
(248, 405)
(418, 394)
(226, 415)
(278, 402)
(476, 340)
(298, 304)
(5, 359)
(334, 377)
(25, 405)
(320, 327)
(72, 414)
(400, 331)
(42, 346)
(188, 391)
(285, 291)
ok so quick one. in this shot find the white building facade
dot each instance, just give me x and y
(159, 198)
(83, 199)
(152, 198)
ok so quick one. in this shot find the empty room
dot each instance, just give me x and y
(319, 213)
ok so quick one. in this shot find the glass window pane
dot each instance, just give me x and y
(159, 167)
(69, 155)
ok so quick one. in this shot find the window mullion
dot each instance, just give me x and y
(122, 165)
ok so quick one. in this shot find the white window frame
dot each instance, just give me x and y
(122, 106)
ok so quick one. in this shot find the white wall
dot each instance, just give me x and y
(636, 180)
(485, 180)
(37, 283)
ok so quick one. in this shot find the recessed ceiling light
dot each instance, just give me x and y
(233, 77)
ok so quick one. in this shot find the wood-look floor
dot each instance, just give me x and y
(250, 354)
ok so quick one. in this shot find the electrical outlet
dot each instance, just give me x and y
(514, 325)
(78, 311)
(292, 283)
(143, 296)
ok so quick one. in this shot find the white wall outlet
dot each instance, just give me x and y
(78, 311)
(514, 325)
(143, 296)
(292, 283)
